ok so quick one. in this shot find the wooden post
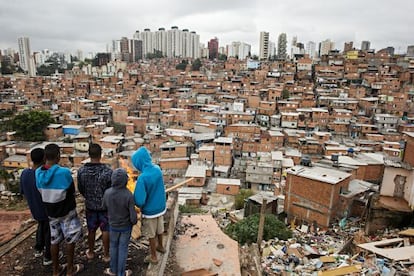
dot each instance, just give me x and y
(261, 222)
(179, 185)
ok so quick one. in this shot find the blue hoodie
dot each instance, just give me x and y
(149, 191)
(56, 187)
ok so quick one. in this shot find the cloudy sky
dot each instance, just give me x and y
(63, 25)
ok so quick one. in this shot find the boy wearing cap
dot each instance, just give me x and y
(119, 202)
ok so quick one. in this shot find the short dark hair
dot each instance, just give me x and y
(95, 151)
(52, 152)
(37, 155)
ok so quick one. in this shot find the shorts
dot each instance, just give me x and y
(153, 226)
(95, 219)
(68, 227)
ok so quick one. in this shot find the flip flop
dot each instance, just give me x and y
(90, 255)
(149, 260)
(161, 250)
(108, 272)
(62, 269)
(106, 259)
(77, 268)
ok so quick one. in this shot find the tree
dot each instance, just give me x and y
(196, 65)
(6, 176)
(245, 231)
(285, 94)
(222, 57)
(241, 197)
(182, 66)
(7, 67)
(30, 126)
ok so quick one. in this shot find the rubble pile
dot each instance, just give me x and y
(332, 252)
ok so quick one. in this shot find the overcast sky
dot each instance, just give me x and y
(63, 25)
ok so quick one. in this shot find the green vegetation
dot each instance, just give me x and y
(222, 57)
(182, 66)
(196, 65)
(285, 94)
(156, 54)
(7, 68)
(30, 126)
(8, 179)
(118, 128)
(245, 231)
(240, 198)
(187, 209)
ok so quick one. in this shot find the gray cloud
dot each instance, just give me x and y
(91, 24)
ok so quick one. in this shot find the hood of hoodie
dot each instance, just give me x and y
(141, 159)
(44, 176)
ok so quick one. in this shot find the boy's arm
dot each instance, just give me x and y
(140, 193)
(81, 187)
(132, 212)
(21, 183)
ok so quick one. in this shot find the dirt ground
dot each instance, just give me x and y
(11, 223)
(20, 261)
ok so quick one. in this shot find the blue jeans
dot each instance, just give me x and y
(118, 250)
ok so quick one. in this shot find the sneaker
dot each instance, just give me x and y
(38, 253)
(47, 262)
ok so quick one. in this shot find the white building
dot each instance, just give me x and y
(311, 49)
(264, 45)
(238, 49)
(25, 56)
(325, 47)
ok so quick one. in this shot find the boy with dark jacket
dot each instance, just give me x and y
(29, 190)
(93, 179)
(122, 216)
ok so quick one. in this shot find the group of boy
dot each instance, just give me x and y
(109, 206)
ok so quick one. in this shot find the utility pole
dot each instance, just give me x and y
(261, 222)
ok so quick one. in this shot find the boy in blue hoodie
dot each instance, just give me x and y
(56, 187)
(150, 196)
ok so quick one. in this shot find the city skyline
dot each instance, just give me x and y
(71, 25)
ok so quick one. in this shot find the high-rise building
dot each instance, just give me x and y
(213, 48)
(348, 46)
(186, 44)
(264, 45)
(325, 47)
(147, 44)
(171, 43)
(281, 46)
(311, 49)
(124, 46)
(238, 49)
(272, 49)
(161, 41)
(410, 51)
(365, 45)
(136, 49)
(25, 56)
(195, 45)
(175, 43)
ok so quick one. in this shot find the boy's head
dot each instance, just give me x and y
(37, 155)
(119, 177)
(52, 153)
(95, 151)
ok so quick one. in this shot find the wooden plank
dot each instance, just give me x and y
(340, 271)
(261, 222)
(199, 272)
(5, 248)
(179, 185)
